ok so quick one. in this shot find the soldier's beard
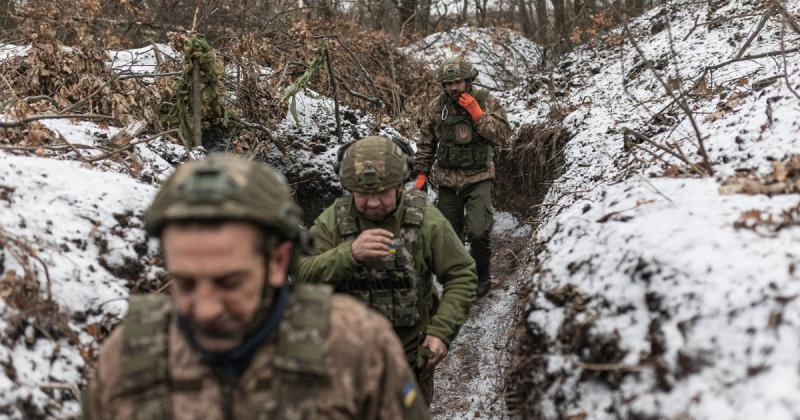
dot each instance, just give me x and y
(455, 94)
(215, 333)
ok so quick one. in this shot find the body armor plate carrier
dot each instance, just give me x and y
(389, 285)
(299, 361)
(460, 145)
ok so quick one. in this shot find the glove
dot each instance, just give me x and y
(421, 183)
(423, 355)
(471, 105)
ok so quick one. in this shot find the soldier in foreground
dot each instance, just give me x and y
(235, 342)
(382, 245)
(462, 127)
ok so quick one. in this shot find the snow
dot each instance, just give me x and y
(500, 55)
(660, 259)
(139, 60)
(10, 51)
(506, 224)
(702, 316)
(72, 215)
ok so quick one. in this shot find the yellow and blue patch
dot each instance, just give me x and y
(409, 393)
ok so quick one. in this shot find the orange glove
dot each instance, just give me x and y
(421, 181)
(471, 105)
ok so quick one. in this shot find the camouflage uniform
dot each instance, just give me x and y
(363, 375)
(329, 357)
(460, 154)
(399, 286)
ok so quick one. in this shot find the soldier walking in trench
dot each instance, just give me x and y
(383, 245)
(457, 140)
(234, 341)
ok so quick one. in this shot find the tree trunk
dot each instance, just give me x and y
(541, 20)
(406, 9)
(559, 18)
(424, 16)
(6, 10)
(525, 17)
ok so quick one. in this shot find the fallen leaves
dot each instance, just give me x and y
(726, 106)
(784, 179)
(767, 223)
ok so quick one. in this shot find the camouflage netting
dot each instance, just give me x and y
(215, 122)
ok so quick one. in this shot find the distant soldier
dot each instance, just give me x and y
(233, 341)
(462, 127)
(383, 245)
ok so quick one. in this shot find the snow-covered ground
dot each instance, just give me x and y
(77, 227)
(652, 301)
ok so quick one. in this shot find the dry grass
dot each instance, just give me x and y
(526, 170)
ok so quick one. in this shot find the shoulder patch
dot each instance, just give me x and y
(412, 405)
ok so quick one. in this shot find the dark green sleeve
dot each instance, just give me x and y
(455, 270)
(333, 260)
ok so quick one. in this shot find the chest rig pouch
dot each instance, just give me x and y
(460, 145)
(389, 285)
(299, 363)
(300, 369)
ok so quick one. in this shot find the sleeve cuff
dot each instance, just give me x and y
(439, 335)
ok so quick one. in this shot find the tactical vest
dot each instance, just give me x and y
(299, 362)
(390, 285)
(460, 145)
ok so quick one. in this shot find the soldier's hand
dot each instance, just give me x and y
(372, 243)
(421, 183)
(437, 347)
(469, 103)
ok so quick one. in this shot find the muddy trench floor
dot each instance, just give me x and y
(470, 381)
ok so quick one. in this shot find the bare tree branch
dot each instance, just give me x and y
(768, 14)
(753, 57)
(32, 118)
(681, 103)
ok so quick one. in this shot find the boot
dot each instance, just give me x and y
(484, 284)
(482, 255)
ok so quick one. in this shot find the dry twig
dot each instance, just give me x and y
(133, 143)
(681, 103)
(39, 117)
(768, 14)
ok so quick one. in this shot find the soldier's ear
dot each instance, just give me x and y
(280, 258)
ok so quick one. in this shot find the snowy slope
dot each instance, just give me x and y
(502, 57)
(77, 228)
(652, 301)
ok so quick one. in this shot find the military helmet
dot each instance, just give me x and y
(226, 187)
(374, 164)
(454, 69)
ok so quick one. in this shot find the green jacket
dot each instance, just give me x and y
(439, 253)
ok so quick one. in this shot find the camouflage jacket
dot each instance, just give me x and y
(492, 126)
(439, 253)
(364, 375)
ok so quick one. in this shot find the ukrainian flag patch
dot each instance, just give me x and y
(409, 394)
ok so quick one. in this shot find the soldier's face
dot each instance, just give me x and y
(218, 277)
(455, 89)
(376, 206)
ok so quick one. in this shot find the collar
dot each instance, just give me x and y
(232, 363)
